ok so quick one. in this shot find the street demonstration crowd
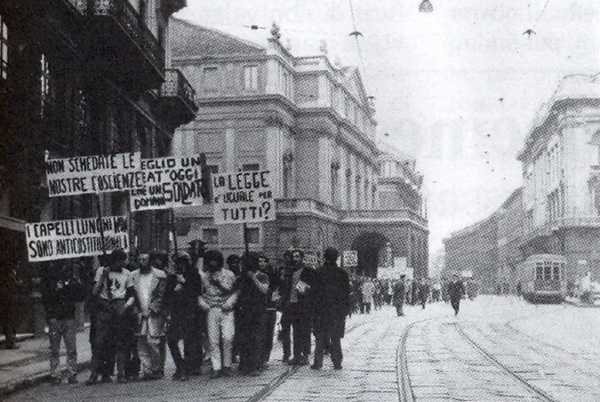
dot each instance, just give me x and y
(222, 311)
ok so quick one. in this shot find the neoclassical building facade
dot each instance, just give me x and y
(312, 125)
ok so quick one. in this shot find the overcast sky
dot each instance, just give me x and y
(457, 88)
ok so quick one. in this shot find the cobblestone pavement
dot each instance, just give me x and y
(553, 348)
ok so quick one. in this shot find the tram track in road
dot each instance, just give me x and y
(491, 358)
(268, 389)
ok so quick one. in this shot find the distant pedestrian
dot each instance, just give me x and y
(368, 292)
(456, 290)
(332, 303)
(285, 278)
(423, 292)
(61, 290)
(399, 295)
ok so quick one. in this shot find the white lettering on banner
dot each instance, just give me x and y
(169, 182)
(243, 197)
(94, 174)
(73, 238)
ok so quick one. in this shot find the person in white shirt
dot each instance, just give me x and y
(218, 299)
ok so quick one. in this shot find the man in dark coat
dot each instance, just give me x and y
(456, 290)
(298, 291)
(398, 296)
(423, 290)
(332, 303)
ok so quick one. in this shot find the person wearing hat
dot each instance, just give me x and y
(332, 303)
(113, 289)
(183, 288)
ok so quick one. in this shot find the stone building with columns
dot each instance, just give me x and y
(310, 123)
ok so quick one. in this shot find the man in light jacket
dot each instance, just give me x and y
(150, 284)
(218, 298)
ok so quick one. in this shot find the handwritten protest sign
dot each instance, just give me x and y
(173, 181)
(94, 174)
(243, 197)
(75, 237)
(350, 258)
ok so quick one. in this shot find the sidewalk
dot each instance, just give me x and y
(28, 365)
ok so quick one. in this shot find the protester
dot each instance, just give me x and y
(113, 289)
(253, 288)
(61, 288)
(270, 312)
(298, 307)
(183, 288)
(150, 284)
(456, 290)
(198, 345)
(332, 303)
(285, 278)
(132, 358)
(233, 264)
(218, 299)
(399, 295)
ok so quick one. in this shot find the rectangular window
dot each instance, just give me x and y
(253, 235)
(210, 235)
(3, 48)
(210, 79)
(547, 271)
(213, 169)
(251, 78)
(556, 271)
(539, 271)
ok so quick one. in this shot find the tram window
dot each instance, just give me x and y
(556, 271)
(539, 271)
(547, 271)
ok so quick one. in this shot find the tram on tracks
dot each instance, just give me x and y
(542, 278)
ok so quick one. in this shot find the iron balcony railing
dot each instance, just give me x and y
(132, 23)
(177, 86)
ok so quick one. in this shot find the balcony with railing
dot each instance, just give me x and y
(177, 98)
(121, 45)
(558, 224)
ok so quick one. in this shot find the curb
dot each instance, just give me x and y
(33, 380)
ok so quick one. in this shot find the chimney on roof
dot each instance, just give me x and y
(323, 47)
(275, 31)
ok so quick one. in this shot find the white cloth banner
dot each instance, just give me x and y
(243, 197)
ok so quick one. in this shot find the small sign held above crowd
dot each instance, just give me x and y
(74, 238)
(94, 174)
(243, 197)
(170, 182)
(349, 258)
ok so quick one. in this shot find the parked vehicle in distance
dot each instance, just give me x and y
(542, 278)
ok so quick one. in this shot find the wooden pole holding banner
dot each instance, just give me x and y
(99, 210)
(246, 246)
